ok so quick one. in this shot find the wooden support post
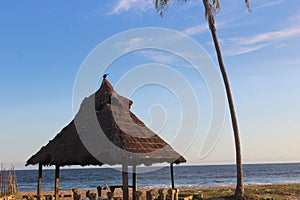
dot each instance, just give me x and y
(134, 184)
(56, 187)
(39, 186)
(125, 181)
(172, 175)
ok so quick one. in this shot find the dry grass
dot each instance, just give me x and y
(263, 192)
(260, 192)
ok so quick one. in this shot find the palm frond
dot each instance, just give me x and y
(216, 5)
(162, 5)
(248, 5)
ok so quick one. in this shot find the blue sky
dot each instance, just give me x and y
(43, 45)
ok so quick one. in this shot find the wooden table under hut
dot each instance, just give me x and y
(105, 131)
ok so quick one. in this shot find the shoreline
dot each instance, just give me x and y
(252, 191)
(20, 166)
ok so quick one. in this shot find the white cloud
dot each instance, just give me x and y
(131, 44)
(151, 54)
(240, 45)
(196, 29)
(159, 56)
(269, 4)
(134, 43)
(268, 36)
(236, 50)
(126, 5)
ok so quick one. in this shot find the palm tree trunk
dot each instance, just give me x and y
(239, 184)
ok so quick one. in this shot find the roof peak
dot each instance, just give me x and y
(107, 94)
(105, 83)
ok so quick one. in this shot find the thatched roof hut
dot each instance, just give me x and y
(121, 137)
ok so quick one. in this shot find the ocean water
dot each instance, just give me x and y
(214, 175)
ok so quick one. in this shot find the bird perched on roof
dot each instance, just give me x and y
(105, 75)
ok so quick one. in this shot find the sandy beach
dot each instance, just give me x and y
(272, 191)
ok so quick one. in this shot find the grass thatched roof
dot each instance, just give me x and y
(125, 138)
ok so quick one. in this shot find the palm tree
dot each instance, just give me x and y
(210, 8)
